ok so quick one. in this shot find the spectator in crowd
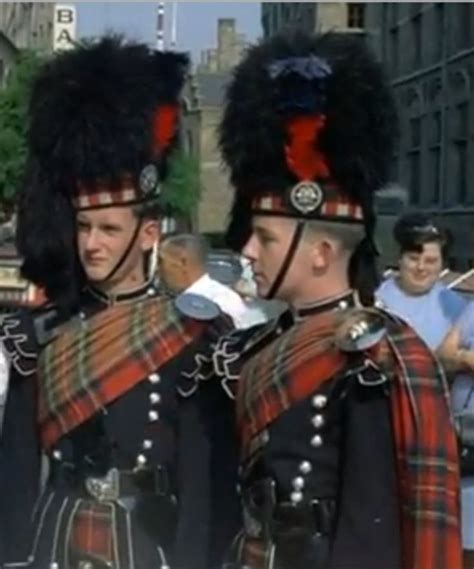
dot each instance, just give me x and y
(415, 293)
(182, 260)
(457, 354)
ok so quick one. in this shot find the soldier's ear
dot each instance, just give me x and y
(150, 234)
(321, 254)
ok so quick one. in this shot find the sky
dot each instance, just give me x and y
(196, 21)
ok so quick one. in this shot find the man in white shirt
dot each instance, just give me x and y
(182, 268)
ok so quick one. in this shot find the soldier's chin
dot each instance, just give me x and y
(95, 274)
(262, 289)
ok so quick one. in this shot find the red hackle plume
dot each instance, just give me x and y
(164, 127)
(302, 155)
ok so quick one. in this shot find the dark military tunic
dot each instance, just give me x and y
(320, 491)
(158, 437)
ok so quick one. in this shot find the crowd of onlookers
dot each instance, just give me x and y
(444, 319)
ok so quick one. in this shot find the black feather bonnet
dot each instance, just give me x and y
(308, 130)
(102, 119)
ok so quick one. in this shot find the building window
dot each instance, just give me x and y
(417, 40)
(266, 25)
(460, 134)
(415, 176)
(2, 72)
(460, 169)
(415, 133)
(394, 168)
(355, 15)
(285, 12)
(393, 13)
(394, 61)
(276, 19)
(414, 157)
(464, 28)
(439, 30)
(434, 172)
(461, 122)
(435, 128)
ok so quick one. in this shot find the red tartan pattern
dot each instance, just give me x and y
(92, 533)
(271, 384)
(428, 463)
(91, 363)
(284, 373)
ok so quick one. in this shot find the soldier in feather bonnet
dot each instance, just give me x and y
(101, 377)
(341, 409)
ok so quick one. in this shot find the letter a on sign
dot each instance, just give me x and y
(64, 27)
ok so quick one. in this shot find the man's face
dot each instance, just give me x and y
(420, 271)
(103, 236)
(172, 268)
(267, 248)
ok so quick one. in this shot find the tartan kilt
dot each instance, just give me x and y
(70, 530)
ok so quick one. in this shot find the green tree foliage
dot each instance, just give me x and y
(182, 188)
(13, 124)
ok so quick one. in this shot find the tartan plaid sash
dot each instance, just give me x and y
(427, 456)
(298, 362)
(92, 362)
(284, 373)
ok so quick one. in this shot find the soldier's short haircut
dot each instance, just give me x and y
(348, 234)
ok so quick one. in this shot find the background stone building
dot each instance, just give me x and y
(28, 24)
(204, 105)
(428, 51)
(230, 46)
(312, 16)
(209, 83)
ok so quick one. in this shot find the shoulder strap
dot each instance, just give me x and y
(18, 339)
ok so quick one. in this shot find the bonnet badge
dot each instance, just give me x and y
(306, 197)
(149, 179)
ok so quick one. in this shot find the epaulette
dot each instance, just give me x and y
(196, 306)
(361, 329)
(233, 350)
(18, 339)
(24, 333)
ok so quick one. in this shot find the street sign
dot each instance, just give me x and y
(64, 27)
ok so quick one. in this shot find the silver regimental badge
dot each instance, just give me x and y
(306, 197)
(149, 179)
(361, 329)
(105, 488)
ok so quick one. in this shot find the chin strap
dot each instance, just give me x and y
(295, 241)
(125, 254)
(152, 268)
